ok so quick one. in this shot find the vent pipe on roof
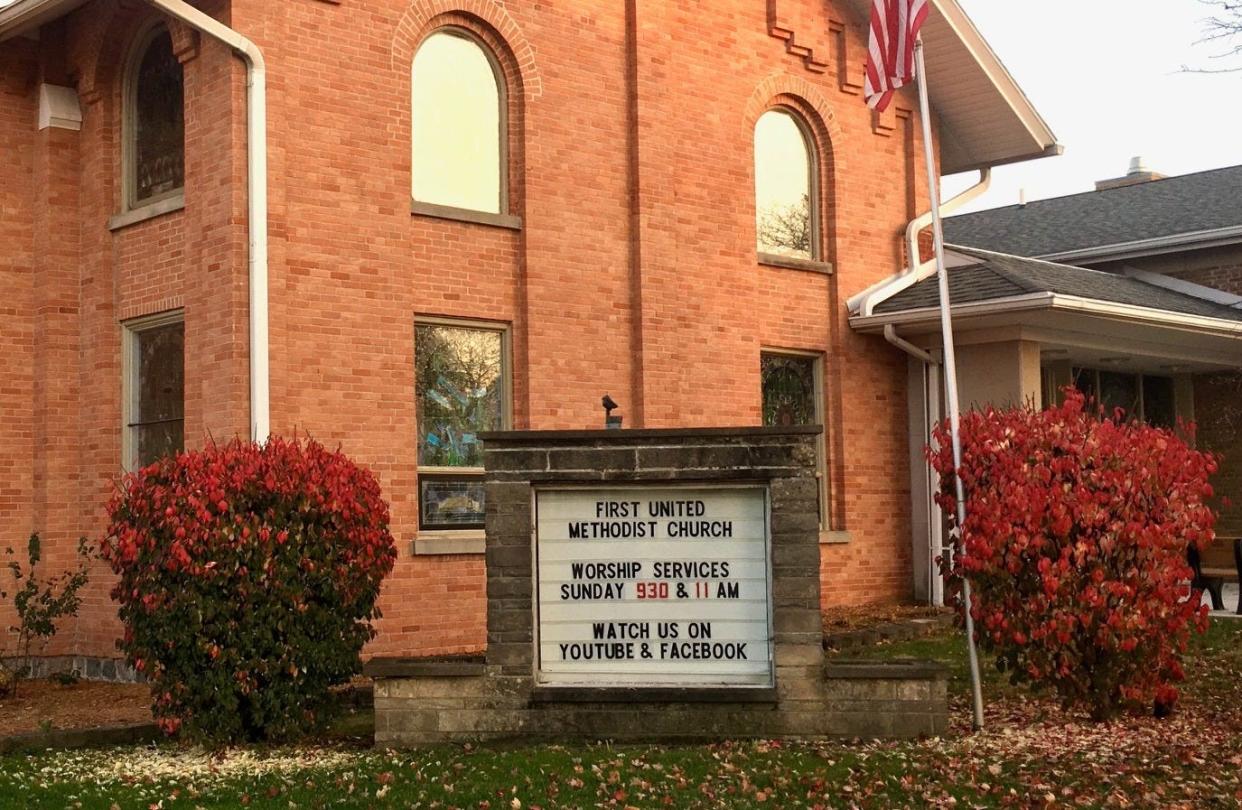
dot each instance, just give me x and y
(1139, 172)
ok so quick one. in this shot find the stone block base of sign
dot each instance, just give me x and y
(420, 704)
(653, 585)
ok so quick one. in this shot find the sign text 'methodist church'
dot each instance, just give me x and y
(656, 586)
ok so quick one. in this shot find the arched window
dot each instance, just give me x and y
(458, 120)
(154, 121)
(785, 187)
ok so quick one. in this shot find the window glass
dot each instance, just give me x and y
(1139, 396)
(783, 208)
(1119, 390)
(157, 417)
(460, 392)
(158, 122)
(1158, 406)
(791, 397)
(789, 390)
(456, 124)
(451, 502)
(1084, 381)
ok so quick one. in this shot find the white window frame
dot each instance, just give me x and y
(130, 330)
(506, 415)
(821, 410)
(129, 101)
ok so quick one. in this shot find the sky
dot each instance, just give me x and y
(1107, 77)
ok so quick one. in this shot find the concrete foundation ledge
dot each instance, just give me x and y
(901, 668)
(574, 694)
(438, 667)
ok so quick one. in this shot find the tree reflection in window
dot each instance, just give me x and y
(788, 390)
(459, 390)
(157, 126)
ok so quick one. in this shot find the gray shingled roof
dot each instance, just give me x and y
(999, 276)
(1175, 205)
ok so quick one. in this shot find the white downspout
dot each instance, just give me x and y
(947, 207)
(865, 302)
(890, 334)
(256, 182)
(935, 590)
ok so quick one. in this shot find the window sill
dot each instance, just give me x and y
(833, 538)
(507, 221)
(790, 263)
(450, 542)
(145, 212)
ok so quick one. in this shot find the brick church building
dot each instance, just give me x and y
(395, 224)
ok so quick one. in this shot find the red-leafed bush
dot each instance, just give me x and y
(1075, 543)
(248, 581)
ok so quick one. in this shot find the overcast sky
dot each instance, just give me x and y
(1106, 76)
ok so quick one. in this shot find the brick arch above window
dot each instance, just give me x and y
(804, 98)
(115, 29)
(489, 21)
(805, 103)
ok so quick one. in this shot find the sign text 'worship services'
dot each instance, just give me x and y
(654, 586)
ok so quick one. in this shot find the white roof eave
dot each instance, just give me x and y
(984, 117)
(1220, 327)
(26, 16)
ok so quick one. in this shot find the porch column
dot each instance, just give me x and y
(1000, 374)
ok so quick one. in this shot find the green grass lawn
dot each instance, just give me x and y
(1031, 755)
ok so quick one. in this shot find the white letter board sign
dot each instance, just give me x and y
(653, 586)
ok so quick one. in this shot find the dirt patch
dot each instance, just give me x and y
(861, 617)
(42, 705)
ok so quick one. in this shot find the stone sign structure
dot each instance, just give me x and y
(672, 570)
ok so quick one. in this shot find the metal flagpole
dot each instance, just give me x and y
(950, 367)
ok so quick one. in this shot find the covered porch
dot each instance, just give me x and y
(1158, 348)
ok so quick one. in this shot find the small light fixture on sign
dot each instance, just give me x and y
(610, 422)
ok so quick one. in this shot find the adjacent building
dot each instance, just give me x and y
(1179, 241)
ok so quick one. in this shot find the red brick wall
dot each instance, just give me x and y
(18, 108)
(630, 129)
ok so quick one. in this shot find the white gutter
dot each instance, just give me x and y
(1215, 237)
(256, 182)
(920, 222)
(865, 302)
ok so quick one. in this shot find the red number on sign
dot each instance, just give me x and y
(652, 590)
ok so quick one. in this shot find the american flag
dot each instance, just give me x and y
(895, 26)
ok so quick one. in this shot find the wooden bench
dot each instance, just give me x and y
(1214, 567)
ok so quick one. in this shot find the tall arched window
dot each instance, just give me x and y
(458, 124)
(785, 187)
(154, 121)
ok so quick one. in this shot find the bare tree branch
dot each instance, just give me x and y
(1223, 26)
